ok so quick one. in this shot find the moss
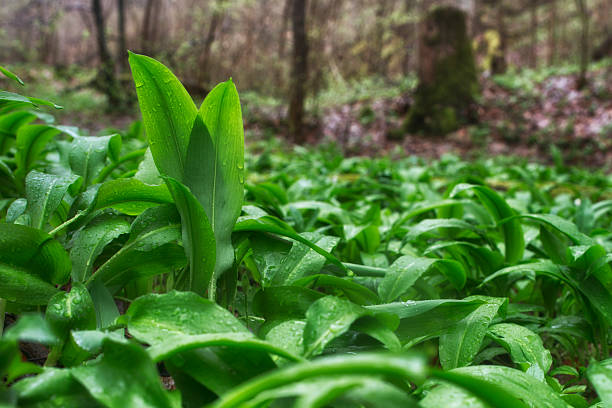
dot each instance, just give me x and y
(448, 79)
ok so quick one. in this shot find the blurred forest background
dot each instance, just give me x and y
(347, 71)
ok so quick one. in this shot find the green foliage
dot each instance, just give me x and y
(325, 282)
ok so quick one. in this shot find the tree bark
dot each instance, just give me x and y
(282, 38)
(146, 27)
(203, 66)
(533, 54)
(106, 75)
(584, 42)
(121, 53)
(299, 71)
(552, 34)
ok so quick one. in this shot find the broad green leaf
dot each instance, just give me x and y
(425, 319)
(565, 227)
(149, 251)
(110, 379)
(288, 335)
(168, 113)
(130, 196)
(500, 210)
(405, 271)
(284, 302)
(433, 224)
(236, 341)
(153, 318)
(503, 387)
(68, 311)
(104, 304)
(460, 343)
(273, 225)
(87, 155)
(301, 261)
(449, 396)
(31, 262)
(31, 142)
(198, 239)
(13, 100)
(147, 172)
(600, 375)
(44, 193)
(401, 366)
(525, 348)
(89, 242)
(330, 317)
(214, 167)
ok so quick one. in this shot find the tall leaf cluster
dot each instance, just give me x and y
(316, 281)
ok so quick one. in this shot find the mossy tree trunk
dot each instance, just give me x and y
(448, 82)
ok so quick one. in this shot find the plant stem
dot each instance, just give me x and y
(53, 355)
(363, 270)
(66, 223)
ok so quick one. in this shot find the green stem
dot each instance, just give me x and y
(106, 171)
(66, 223)
(363, 270)
(2, 312)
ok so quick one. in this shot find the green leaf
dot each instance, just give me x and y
(44, 193)
(405, 271)
(600, 375)
(68, 311)
(130, 196)
(168, 113)
(31, 262)
(330, 317)
(149, 251)
(399, 366)
(11, 75)
(353, 291)
(273, 225)
(563, 226)
(89, 242)
(525, 348)
(236, 341)
(153, 318)
(214, 168)
(198, 239)
(87, 155)
(301, 261)
(500, 210)
(110, 380)
(461, 343)
(31, 142)
(503, 387)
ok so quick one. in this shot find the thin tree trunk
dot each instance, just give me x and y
(552, 34)
(146, 30)
(106, 75)
(203, 64)
(584, 42)
(533, 55)
(282, 38)
(299, 71)
(121, 54)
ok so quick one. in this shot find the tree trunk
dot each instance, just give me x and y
(533, 54)
(282, 38)
(299, 71)
(121, 53)
(552, 34)
(448, 81)
(584, 42)
(498, 62)
(203, 65)
(106, 80)
(146, 27)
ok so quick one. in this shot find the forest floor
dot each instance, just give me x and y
(535, 114)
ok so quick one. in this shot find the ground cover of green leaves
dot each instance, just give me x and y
(290, 278)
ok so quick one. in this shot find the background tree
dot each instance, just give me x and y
(106, 80)
(299, 71)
